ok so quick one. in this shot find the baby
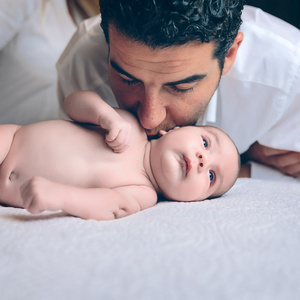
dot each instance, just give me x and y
(112, 170)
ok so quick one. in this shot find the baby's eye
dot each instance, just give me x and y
(205, 143)
(211, 177)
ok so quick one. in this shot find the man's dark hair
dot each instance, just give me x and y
(164, 23)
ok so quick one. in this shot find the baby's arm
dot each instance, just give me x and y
(40, 194)
(7, 133)
(88, 107)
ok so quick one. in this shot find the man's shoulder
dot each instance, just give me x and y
(88, 42)
(83, 63)
(265, 25)
(270, 52)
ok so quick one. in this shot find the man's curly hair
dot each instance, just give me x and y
(165, 23)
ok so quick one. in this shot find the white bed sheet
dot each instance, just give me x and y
(244, 245)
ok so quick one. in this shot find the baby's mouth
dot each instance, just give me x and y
(188, 165)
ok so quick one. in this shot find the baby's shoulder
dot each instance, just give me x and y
(128, 116)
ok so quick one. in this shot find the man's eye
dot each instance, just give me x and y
(205, 143)
(177, 90)
(128, 82)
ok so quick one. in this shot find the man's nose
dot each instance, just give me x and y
(151, 110)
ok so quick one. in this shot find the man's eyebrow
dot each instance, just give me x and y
(190, 79)
(121, 71)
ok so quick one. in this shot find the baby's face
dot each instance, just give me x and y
(194, 163)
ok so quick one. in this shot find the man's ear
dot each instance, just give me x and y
(231, 54)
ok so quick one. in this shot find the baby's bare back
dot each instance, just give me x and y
(68, 153)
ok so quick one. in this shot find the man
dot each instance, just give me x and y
(185, 62)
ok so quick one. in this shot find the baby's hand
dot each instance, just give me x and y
(40, 194)
(119, 135)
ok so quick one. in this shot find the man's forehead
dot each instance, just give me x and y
(171, 55)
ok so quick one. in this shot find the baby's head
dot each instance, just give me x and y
(194, 163)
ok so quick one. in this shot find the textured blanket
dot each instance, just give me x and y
(244, 245)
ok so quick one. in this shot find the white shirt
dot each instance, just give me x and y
(257, 100)
(33, 36)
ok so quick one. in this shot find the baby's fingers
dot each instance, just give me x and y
(120, 142)
(112, 135)
(29, 197)
(25, 195)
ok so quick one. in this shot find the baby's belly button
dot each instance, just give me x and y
(13, 176)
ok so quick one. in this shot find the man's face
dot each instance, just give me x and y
(164, 88)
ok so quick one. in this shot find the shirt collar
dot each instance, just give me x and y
(210, 114)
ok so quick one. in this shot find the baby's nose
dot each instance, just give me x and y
(202, 159)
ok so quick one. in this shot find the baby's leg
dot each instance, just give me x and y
(7, 133)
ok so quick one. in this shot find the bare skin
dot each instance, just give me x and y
(172, 87)
(288, 162)
(57, 162)
(60, 165)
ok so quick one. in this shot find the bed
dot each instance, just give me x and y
(244, 245)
